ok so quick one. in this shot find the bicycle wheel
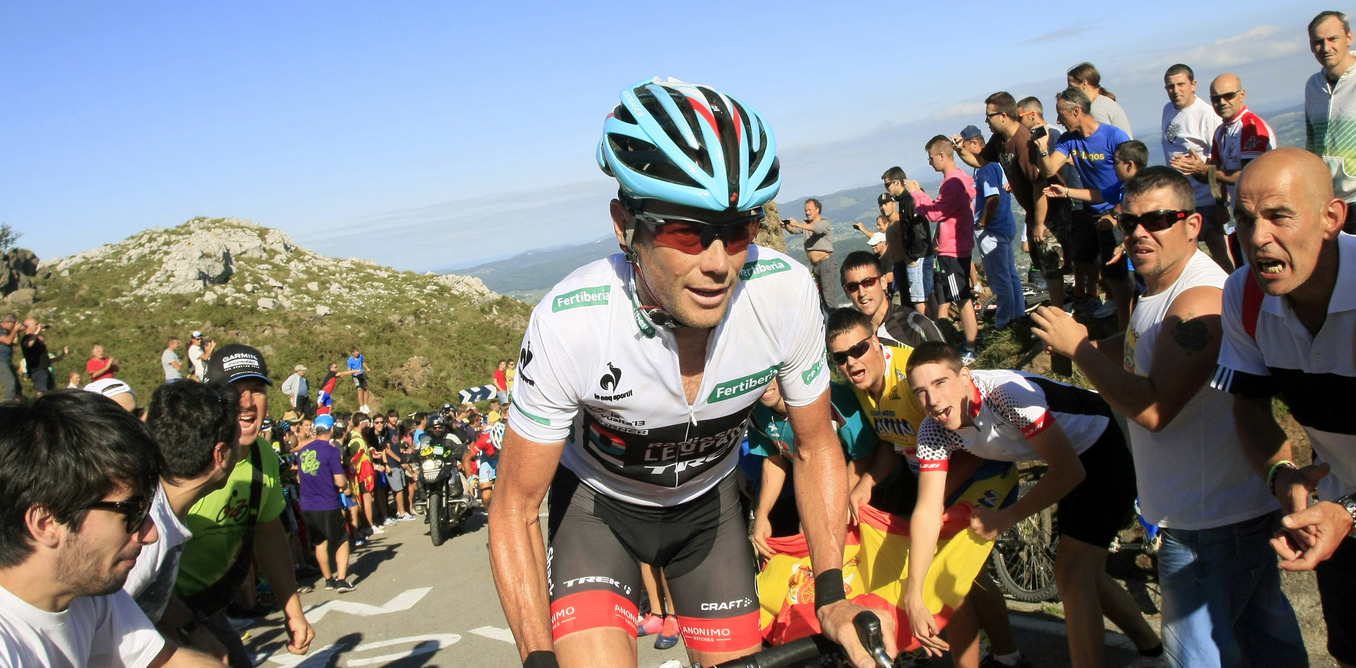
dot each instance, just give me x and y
(1024, 556)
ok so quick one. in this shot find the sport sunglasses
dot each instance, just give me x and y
(1153, 221)
(694, 236)
(855, 352)
(134, 510)
(854, 286)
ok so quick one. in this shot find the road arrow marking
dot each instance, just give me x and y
(494, 633)
(326, 656)
(402, 602)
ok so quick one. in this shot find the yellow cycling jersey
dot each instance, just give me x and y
(896, 418)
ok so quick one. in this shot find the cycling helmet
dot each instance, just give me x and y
(689, 145)
(497, 434)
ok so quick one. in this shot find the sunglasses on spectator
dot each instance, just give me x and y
(853, 286)
(855, 352)
(694, 236)
(1153, 221)
(1227, 97)
(134, 510)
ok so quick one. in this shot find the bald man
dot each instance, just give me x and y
(1288, 332)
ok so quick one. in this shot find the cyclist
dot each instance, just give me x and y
(635, 378)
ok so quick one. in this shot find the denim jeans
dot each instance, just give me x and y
(1000, 267)
(1222, 599)
(9, 381)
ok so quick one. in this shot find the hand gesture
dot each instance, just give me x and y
(1060, 332)
(1190, 163)
(925, 628)
(1057, 190)
(761, 531)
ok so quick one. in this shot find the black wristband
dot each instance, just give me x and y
(829, 588)
(540, 659)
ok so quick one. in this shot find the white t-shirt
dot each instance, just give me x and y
(151, 581)
(167, 360)
(94, 631)
(1192, 475)
(195, 352)
(1190, 130)
(595, 372)
(1107, 110)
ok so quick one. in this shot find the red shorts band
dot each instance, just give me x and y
(721, 635)
(595, 609)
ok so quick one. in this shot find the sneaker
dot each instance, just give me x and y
(329, 584)
(668, 633)
(967, 356)
(359, 542)
(1106, 310)
(405, 518)
(305, 589)
(364, 408)
(377, 530)
(650, 625)
(343, 586)
(389, 522)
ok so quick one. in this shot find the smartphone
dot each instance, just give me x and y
(1038, 132)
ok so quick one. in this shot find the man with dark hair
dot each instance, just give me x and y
(36, 357)
(1189, 126)
(818, 233)
(228, 536)
(77, 473)
(864, 284)
(1091, 147)
(1221, 607)
(357, 367)
(170, 362)
(954, 213)
(196, 428)
(1330, 105)
(910, 240)
(1059, 211)
(995, 233)
(1288, 322)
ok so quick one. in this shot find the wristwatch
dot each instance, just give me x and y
(1349, 504)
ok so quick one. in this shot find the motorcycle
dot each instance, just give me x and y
(448, 504)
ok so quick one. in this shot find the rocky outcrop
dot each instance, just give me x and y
(18, 267)
(415, 373)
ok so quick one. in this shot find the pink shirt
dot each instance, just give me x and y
(953, 211)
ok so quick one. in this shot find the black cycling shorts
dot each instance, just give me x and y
(325, 526)
(1100, 506)
(595, 545)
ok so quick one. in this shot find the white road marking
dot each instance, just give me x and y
(425, 644)
(402, 602)
(494, 633)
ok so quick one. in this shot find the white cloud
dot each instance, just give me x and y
(959, 110)
(1261, 43)
(1059, 34)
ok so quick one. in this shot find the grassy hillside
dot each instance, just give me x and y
(424, 336)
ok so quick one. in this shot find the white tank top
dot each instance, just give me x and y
(1192, 475)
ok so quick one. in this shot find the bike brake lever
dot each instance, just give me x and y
(869, 633)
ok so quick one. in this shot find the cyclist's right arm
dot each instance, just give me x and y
(517, 549)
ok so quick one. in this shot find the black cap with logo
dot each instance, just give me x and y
(234, 362)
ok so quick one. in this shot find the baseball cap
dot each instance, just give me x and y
(299, 367)
(970, 132)
(324, 422)
(110, 387)
(196, 335)
(883, 198)
(9, 317)
(876, 239)
(235, 362)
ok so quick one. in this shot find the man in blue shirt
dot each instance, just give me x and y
(1091, 147)
(358, 366)
(995, 231)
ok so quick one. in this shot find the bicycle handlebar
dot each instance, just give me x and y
(816, 646)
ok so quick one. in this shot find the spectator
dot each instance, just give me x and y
(1189, 126)
(1242, 138)
(1330, 104)
(1059, 212)
(36, 357)
(9, 376)
(100, 366)
(909, 236)
(865, 285)
(1105, 109)
(501, 381)
(819, 248)
(357, 367)
(1222, 606)
(298, 390)
(1289, 321)
(1091, 147)
(324, 397)
(78, 474)
(398, 456)
(511, 373)
(224, 544)
(117, 390)
(169, 361)
(1010, 416)
(879, 247)
(954, 213)
(196, 428)
(73, 382)
(320, 470)
(198, 354)
(995, 232)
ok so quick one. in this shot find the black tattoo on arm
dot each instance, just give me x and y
(1191, 336)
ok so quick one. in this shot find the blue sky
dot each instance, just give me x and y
(427, 135)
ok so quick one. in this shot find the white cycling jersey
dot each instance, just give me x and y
(595, 372)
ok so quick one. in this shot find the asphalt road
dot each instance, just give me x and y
(417, 605)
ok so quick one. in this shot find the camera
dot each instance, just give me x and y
(1038, 132)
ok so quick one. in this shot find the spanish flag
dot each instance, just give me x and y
(875, 568)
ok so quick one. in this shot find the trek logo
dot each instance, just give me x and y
(582, 297)
(728, 605)
(599, 579)
(733, 388)
(763, 268)
(610, 380)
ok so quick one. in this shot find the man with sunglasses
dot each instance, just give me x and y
(635, 379)
(1288, 321)
(1222, 598)
(818, 233)
(239, 524)
(78, 474)
(864, 284)
(909, 238)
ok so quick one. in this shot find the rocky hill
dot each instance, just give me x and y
(425, 336)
